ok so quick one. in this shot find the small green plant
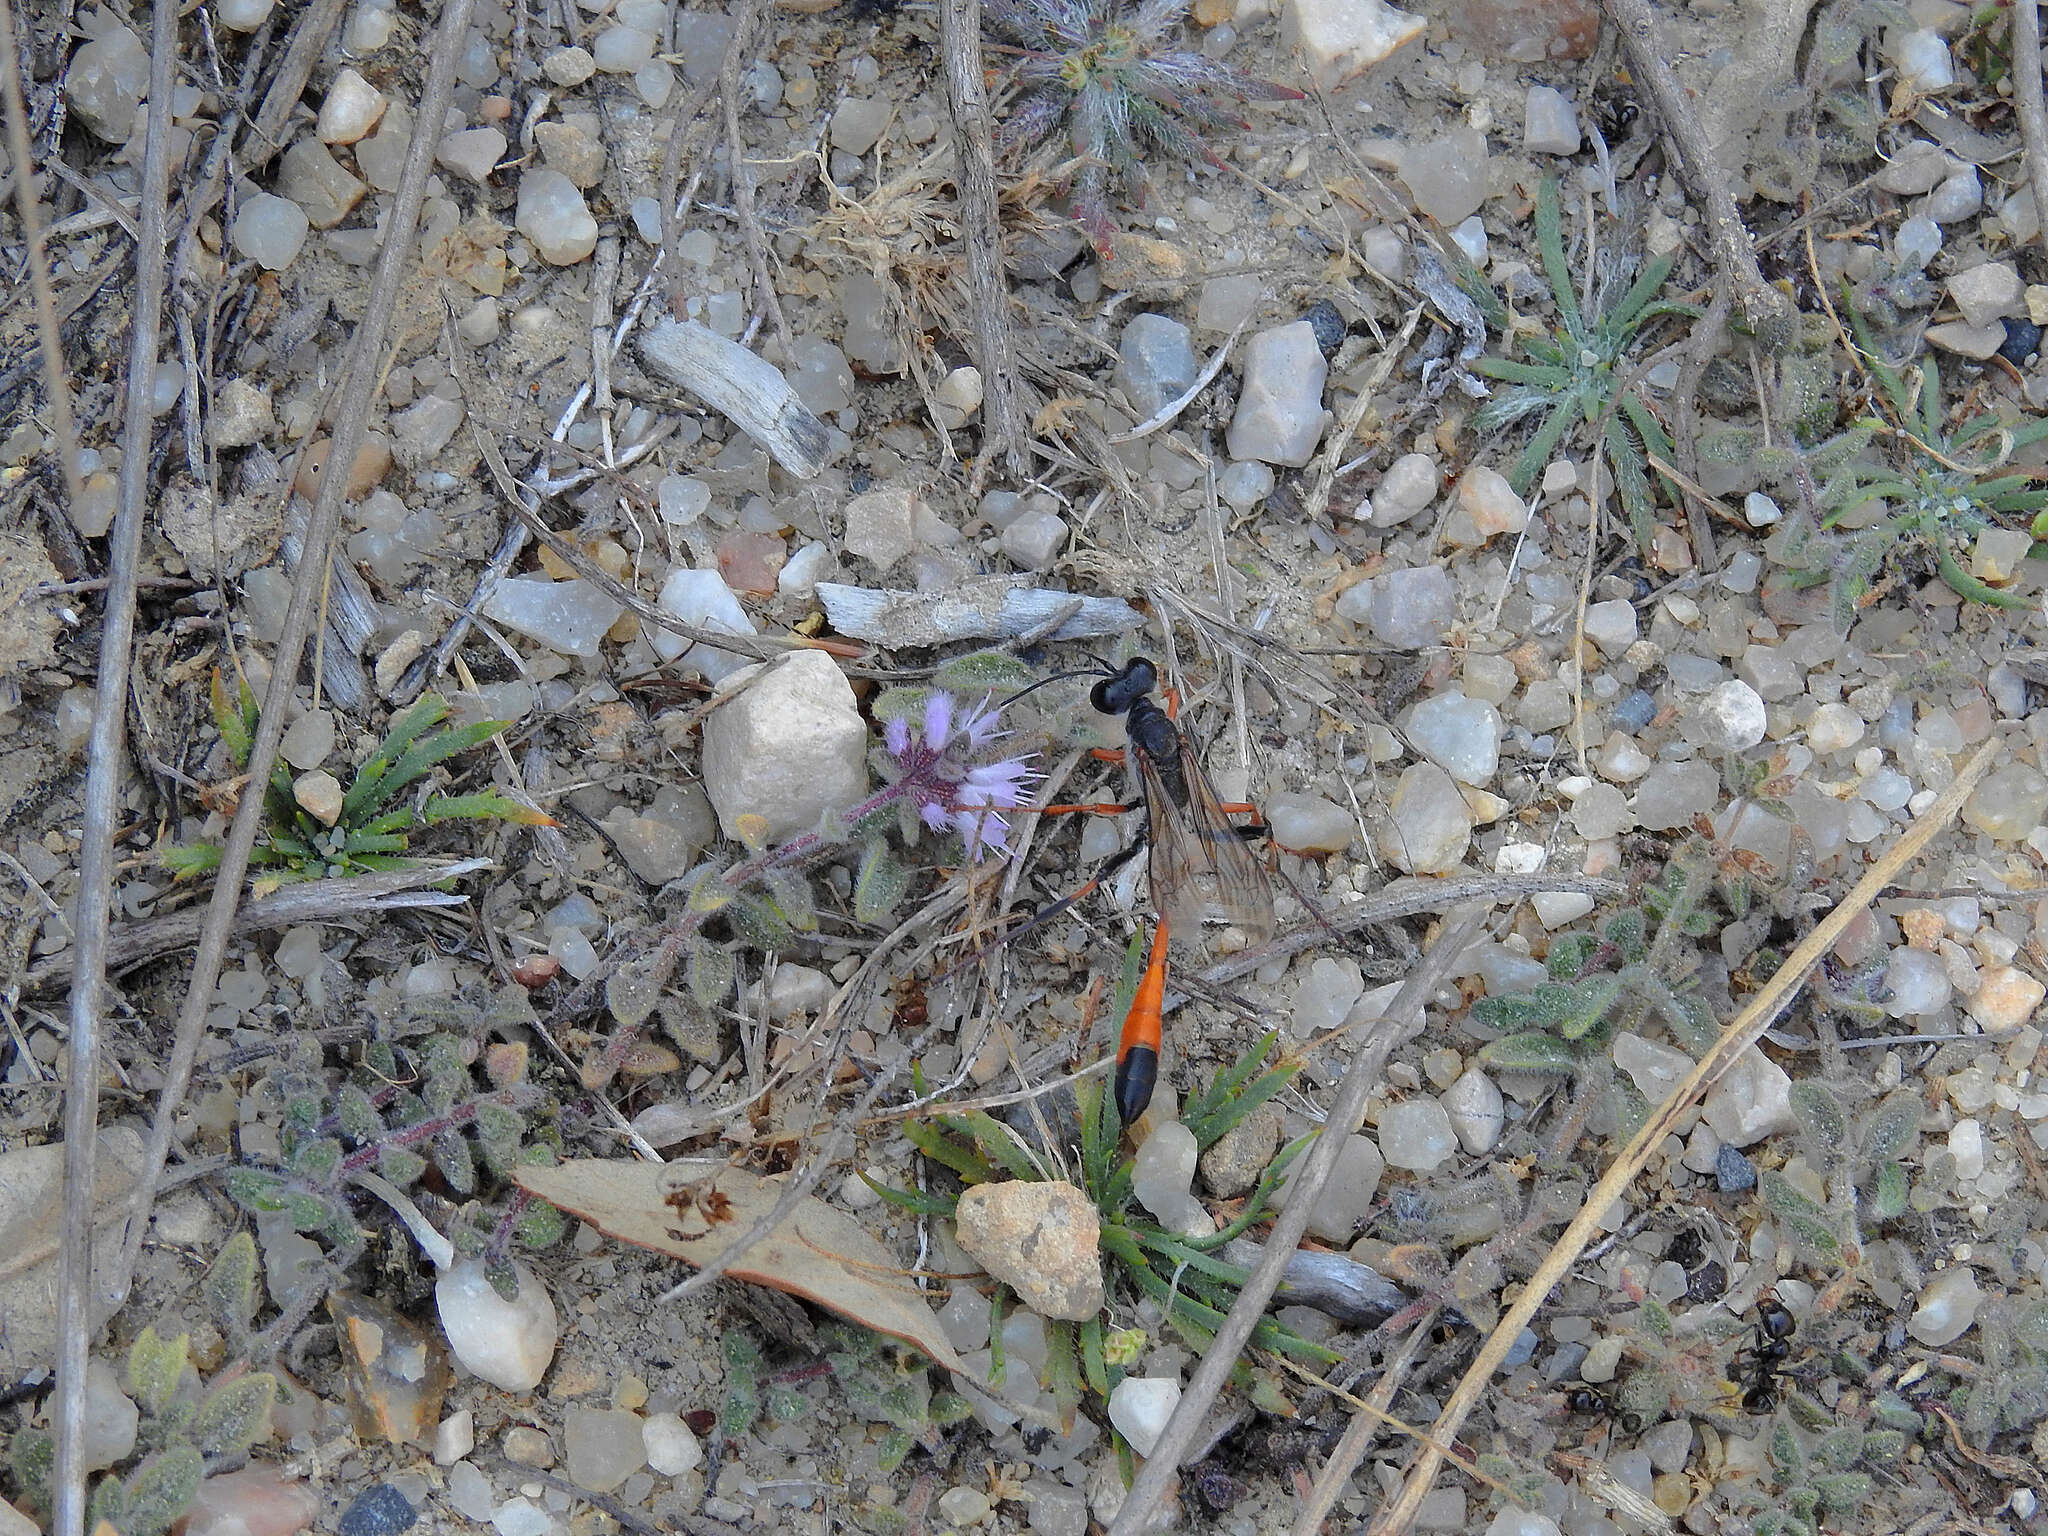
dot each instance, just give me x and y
(1934, 490)
(412, 1104)
(187, 1428)
(1102, 69)
(1823, 1476)
(1602, 983)
(1575, 376)
(1859, 1159)
(369, 831)
(1181, 1274)
(882, 1382)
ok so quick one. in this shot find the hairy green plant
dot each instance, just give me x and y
(2011, 1393)
(187, 1427)
(1860, 1160)
(371, 830)
(1933, 488)
(431, 1093)
(1181, 1274)
(1825, 1477)
(1575, 376)
(1603, 983)
(1103, 70)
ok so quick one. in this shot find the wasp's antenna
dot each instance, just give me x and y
(1098, 670)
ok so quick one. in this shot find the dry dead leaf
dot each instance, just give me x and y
(694, 1209)
(31, 1219)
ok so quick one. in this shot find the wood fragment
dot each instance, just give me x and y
(987, 608)
(746, 388)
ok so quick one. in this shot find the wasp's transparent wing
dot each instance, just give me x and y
(1201, 870)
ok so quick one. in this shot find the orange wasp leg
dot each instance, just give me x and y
(1137, 1052)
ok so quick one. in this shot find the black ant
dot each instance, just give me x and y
(1775, 1326)
(1586, 1400)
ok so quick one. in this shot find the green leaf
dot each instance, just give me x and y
(486, 804)
(1229, 1100)
(161, 1490)
(234, 1415)
(879, 885)
(709, 972)
(1621, 319)
(999, 1142)
(983, 672)
(184, 860)
(1888, 1196)
(1590, 1000)
(949, 1151)
(230, 1286)
(758, 922)
(237, 719)
(791, 894)
(541, 1226)
(914, 1201)
(368, 791)
(155, 1367)
(32, 1458)
(1530, 1051)
(1820, 1115)
(1808, 1220)
(401, 1165)
(1550, 243)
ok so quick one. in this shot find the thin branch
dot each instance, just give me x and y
(1766, 313)
(1148, 1493)
(360, 377)
(106, 757)
(1757, 1016)
(2026, 95)
(743, 28)
(1002, 415)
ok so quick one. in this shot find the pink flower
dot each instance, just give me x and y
(951, 791)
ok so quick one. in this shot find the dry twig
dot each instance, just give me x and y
(1741, 1033)
(2033, 113)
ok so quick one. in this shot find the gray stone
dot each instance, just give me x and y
(1406, 609)
(1280, 415)
(1671, 794)
(106, 82)
(1428, 826)
(1611, 625)
(1550, 123)
(1039, 1238)
(1460, 735)
(1416, 1133)
(1987, 292)
(1035, 540)
(1732, 717)
(788, 749)
(552, 214)
(1309, 823)
(1155, 362)
(315, 180)
(1346, 1200)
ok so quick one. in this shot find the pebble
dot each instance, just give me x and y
(1668, 1445)
(1550, 123)
(1947, 1306)
(1972, 341)
(1247, 482)
(1155, 362)
(319, 795)
(881, 525)
(1918, 983)
(1966, 1146)
(1489, 505)
(1309, 823)
(552, 214)
(700, 598)
(470, 1492)
(1428, 826)
(1035, 539)
(957, 397)
(270, 230)
(1655, 1069)
(1732, 716)
(1996, 555)
(256, 1501)
(522, 1517)
(350, 110)
(858, 122)
(1280, 415)
(1923, 60)
(2006, 998)
(106, 82)
(243, 15)
(1448, 176)
(1611, 625)
(454, 1438)
(1055, 1509)
(1405, 609)
(570, 67)
(602, 1446)
(1224, 302)
(1918, 241)
(621, 50)
(962, 1506)
(1671, 794)
(1347, 1199)
(573, 150)
(1960, 196)
(1476, 1111)
(1461, 735)
(566, 616)
(2022, 341)
(1233, 1162)
(1339, 40)
(1408, 487)
(1325, 995)
(507, 1343)
(111, 1418)
(1602, 811)
(1987, 292)
(316, 181)
(1917, 168)
(1752, 1100)
(309, 739)
(380, 1510)
(1163, 1176)
(1139, 1407)
(789, 749)
(1416, 1133)
(2009, 804)
(1833, 728)
(1733, 1173)
(1039, 1238)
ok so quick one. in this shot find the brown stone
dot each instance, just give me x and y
(1041, 1240)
